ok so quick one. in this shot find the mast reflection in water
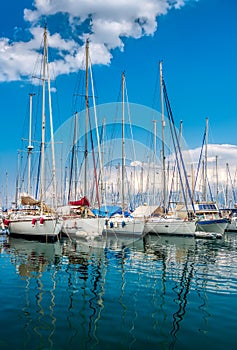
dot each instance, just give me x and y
(163, 292)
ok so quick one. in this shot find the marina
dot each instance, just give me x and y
(118, 205)
(47, 204)
(160, 292)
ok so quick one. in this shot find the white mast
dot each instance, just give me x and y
(87, 120)
(42, 172)
(75, 159)
(205, 169)
(180, 143)
(123, 143)
(217, 185)
(154, 162)
(42, 177)
(73, 164)
(30, 147)
(163, 136)
(6, 189)
(227, 188)
(52, 136)
(97, 134)
(103, 197)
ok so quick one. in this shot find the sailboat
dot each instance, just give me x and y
(120, 224)
(78, 219)
(161, 221)
(229, 211)
(37, 219)
(208, 215)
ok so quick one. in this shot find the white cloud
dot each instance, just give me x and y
(108, 22)
(136, 163)
(225, 153)
(16, 58)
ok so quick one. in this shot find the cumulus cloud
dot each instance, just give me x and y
(105, 22)
(218, 154)
(17, 57)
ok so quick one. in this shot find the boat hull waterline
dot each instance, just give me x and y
(35, 227)
(124, 227)
(82, 227)
(170, 227)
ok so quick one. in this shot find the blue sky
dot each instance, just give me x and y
(196, 40)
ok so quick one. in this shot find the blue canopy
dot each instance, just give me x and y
(107, 211)
(110, 210)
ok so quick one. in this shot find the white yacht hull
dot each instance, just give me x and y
(170, 226)
(124, 227)
(82, 227)
(35, 226)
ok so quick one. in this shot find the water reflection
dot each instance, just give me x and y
(196, 265)
(121, 294)
(214, 261)
(33, 257)
(94, 266)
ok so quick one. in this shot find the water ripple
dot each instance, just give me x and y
(165, 292)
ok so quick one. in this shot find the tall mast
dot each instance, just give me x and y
(180, 143)
(205, 169)
(30, 147)
(73, 166)
(17, 180)
(227, 187)
(75, 155)
(141, 182)
(87, 119)
(154, 162)
(217, 185)
(118, 184)
(102, 162)
(163, 136)
(98, 144)
(51, 134)
(6, 189)
(203, 179)
(42, 178)
(192, 177)
(123, 143)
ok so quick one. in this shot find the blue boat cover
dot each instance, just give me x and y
(109, 210)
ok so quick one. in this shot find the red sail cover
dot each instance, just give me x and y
(83, 202)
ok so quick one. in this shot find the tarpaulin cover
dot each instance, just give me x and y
(83, 202)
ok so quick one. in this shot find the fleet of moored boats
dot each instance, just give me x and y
(80, 222)
(35, 220)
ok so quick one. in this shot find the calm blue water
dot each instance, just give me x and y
(170, 293)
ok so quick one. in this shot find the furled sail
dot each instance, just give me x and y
(28, 200)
